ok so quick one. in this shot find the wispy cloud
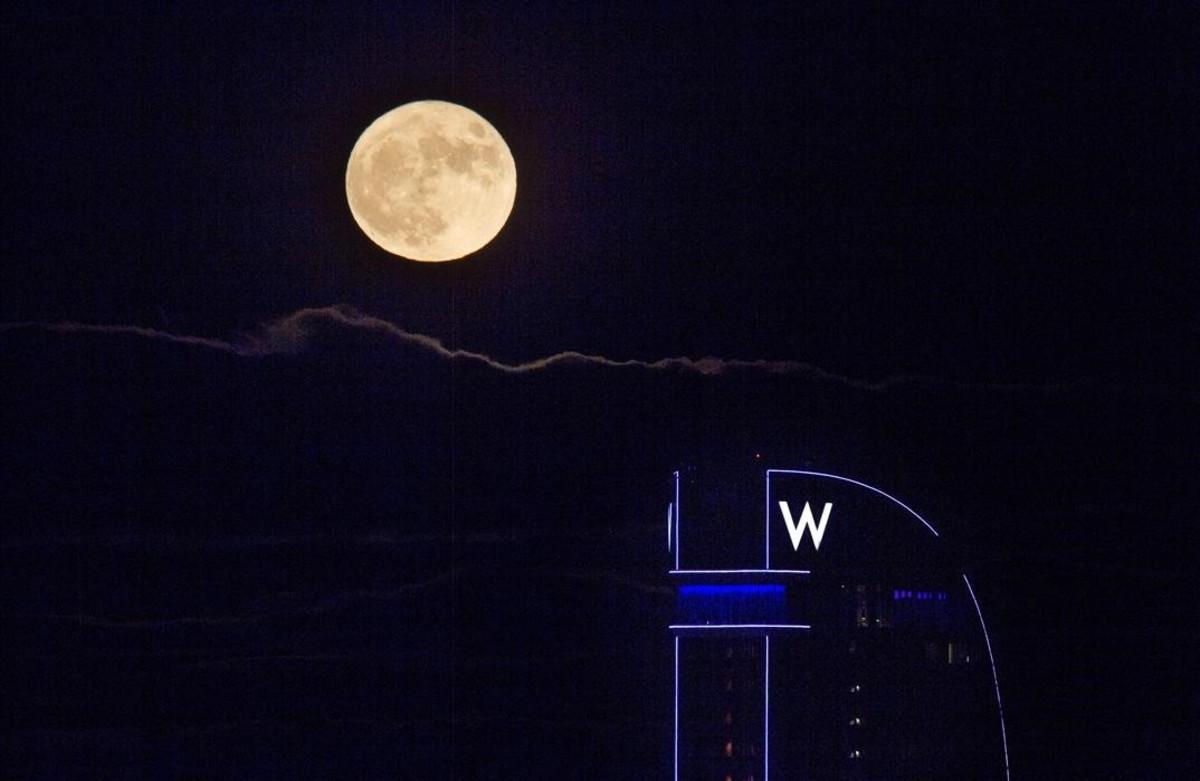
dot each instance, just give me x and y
(378, 538)
(70, 327)
(618, 579)
(330, 603)
(294, 333)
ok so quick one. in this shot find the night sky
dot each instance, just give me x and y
(260, 520)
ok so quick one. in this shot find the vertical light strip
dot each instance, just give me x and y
(677, 519)
(767, 522)
(995, 679)
(676, 707)
(670, 521)
(767, 708)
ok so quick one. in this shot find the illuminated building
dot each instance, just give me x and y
(821, 632)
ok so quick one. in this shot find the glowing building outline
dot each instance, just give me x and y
(767, 523)
(765, 627)
(987, 641)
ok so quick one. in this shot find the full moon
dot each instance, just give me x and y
(431, 181)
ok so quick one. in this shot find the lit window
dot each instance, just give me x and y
(729, 748)
(855, 754)
(856, 722)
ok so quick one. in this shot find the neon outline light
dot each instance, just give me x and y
(670, 520)
(767, 708)
(770, 589)
(677, 708)
(766, 689)
(739, 572)
(767, 526)
(676, 519)
(852, 481)
(739, 626)
(995, 679)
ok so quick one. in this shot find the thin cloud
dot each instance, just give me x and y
(294, 333)
(327, 604)
(68, 327)
(616, 578)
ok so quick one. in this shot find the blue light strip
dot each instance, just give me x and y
(740, 572)
(739, 626)
(995, 679)
(884, 494)
(732, 590)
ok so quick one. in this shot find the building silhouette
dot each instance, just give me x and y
(820, 632)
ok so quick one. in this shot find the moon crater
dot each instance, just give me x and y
(431, 181)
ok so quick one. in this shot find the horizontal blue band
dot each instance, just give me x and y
(733, 591)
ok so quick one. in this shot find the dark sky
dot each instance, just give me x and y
(971, 193)
(968, 231)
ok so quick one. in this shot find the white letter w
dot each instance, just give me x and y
(796, 531)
